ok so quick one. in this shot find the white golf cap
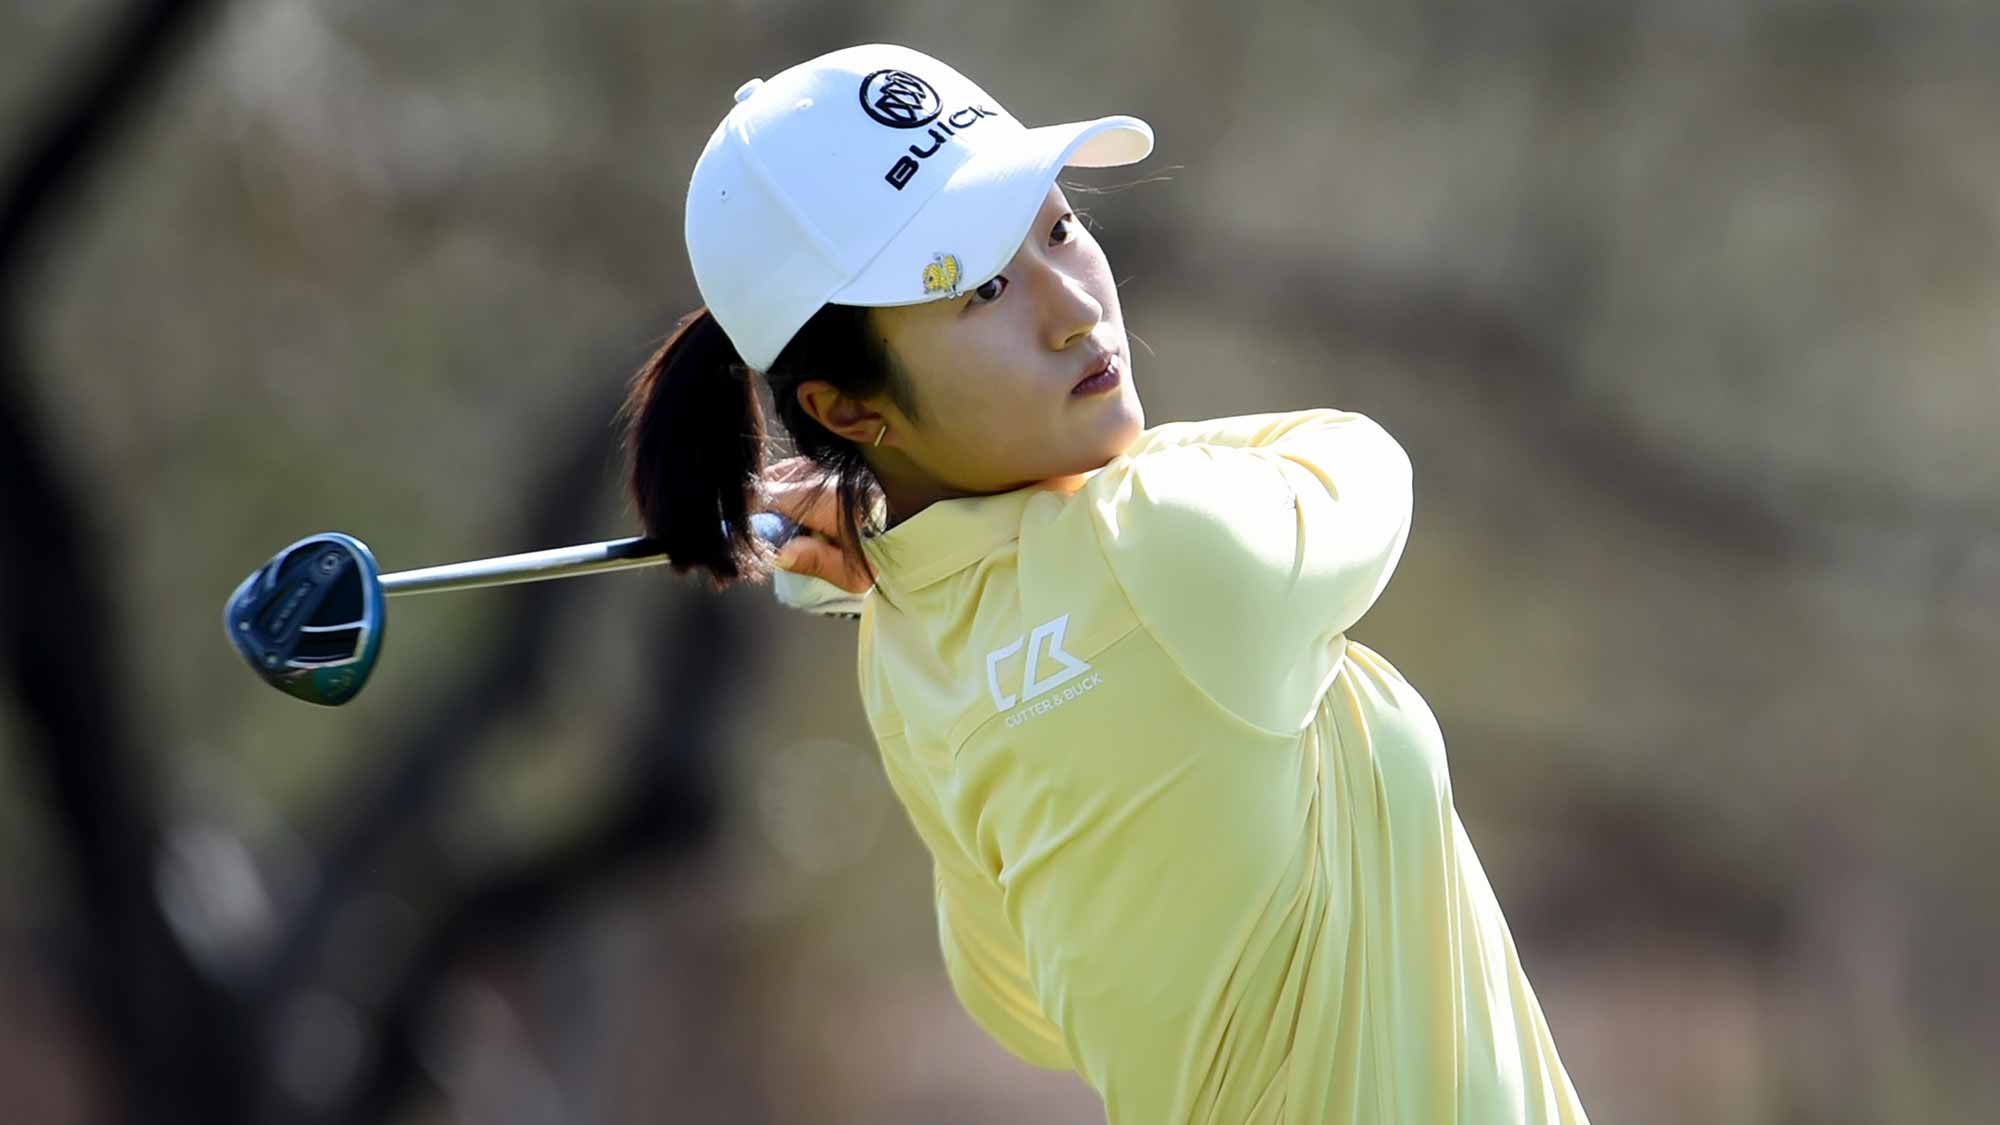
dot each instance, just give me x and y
(874, 175)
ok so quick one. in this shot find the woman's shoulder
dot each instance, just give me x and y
(1193, 491)
(1227, 482)
(1247, 544)
(1244, 431)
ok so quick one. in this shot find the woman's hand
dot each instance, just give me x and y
(792, 489)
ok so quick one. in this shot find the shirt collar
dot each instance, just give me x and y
(948, 536)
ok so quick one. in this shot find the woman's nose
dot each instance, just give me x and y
(1072, 312)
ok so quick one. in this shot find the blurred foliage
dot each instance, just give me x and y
(1686, 312)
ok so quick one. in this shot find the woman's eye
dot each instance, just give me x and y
(1064, 230)
(990, 291)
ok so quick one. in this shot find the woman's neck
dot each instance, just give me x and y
(905, 497)
(906, 493)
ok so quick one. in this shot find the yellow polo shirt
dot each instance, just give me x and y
(1188, 838)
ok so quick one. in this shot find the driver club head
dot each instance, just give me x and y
(309, 622)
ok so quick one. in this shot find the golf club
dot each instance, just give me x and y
(310, 621)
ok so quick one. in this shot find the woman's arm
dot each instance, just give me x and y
(989, 971)
(1248, 545)
(982, 954)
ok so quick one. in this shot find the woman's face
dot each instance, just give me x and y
(1001, 374)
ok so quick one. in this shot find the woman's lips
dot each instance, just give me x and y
(1105, 379)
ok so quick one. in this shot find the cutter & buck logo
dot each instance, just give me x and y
(1037, 695)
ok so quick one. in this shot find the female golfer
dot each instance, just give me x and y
(1188, 838)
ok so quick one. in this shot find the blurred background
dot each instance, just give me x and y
(1686, 311)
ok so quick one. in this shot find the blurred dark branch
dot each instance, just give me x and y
(401, 785)
(663, 804)
(156, 1013)
(169, 1030)
(188, 1049)
(662, 809)
(103, 99)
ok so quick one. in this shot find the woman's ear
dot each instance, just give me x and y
(841, 415)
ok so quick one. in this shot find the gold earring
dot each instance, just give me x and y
(878, 435)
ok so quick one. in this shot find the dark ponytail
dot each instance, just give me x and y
(695, 436)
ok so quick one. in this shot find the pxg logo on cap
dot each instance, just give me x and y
(900, 99)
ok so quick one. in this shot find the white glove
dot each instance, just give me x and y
(814, 595)
(802, 591)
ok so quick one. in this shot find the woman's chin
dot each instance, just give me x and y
(1121, 430)
(1102, 453)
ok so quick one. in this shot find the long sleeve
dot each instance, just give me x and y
(988, 970)
(982, 954)
(1248, 545)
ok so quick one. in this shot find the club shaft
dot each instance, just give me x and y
(531, 566)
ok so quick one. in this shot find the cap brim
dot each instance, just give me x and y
(983, 212)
